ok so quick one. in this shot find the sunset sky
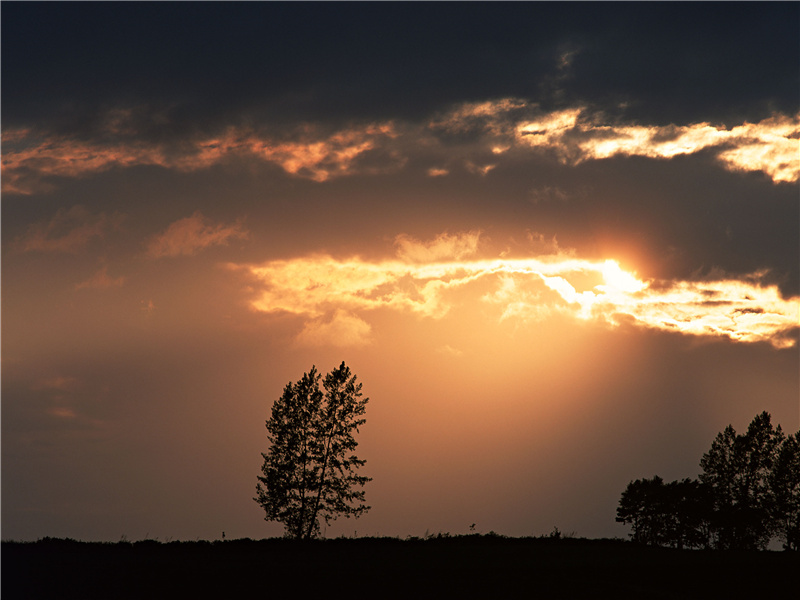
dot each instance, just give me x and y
(559, 245)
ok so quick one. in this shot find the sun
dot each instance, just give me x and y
(617, 280)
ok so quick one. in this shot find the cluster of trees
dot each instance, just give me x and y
(747, 494)
(310, 470)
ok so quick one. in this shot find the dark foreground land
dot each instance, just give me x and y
(445, 567)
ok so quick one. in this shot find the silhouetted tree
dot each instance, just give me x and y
(784, 482)
(666, 514)
(737, 470)
(309, 471)
(749, 491)
(639, 507)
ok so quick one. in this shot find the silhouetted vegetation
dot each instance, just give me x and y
(747, 494)
(309, 470)
(446, 566)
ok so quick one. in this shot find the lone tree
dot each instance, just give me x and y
(309, 471)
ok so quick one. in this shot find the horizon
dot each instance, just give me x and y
(558, 245)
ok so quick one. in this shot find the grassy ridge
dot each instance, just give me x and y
(445, 567)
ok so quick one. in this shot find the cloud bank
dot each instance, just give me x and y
(34, 162)
(742, 310)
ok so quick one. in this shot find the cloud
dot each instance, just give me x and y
(71, 402)
(322, 158)
(31, 160)
(443, 246)
(735, 309)
(65, 398)
(68, 231)
(771, 146)
(29, 166)
(430, 279)
(190, 235)
(57, 383)
(100, 281)
(493, 117)
(481, 170)
(343, 330)
(548, 194)
(34, 159)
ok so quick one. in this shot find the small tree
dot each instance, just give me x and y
(309, 471)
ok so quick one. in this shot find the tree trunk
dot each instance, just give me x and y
(325, 457)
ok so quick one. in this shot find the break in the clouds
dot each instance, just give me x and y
(743, 310)
(35, 161)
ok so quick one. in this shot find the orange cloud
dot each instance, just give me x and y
(526, 289)
(443, 246)
(771, 146)
(68, 231)
(322, 159)
(100, 280)
(30, 161)
(188, 236)
(343, 330)
(311, 155)
(492, 116)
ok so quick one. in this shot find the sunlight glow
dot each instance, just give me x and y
(528, 289)
(618, 280)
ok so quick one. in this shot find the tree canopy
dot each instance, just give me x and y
(310, 469)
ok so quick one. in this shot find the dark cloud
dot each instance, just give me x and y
(201, 63)
(670, 63)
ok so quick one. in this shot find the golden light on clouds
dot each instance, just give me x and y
(31, 161)
(771, 146)
(527, 289)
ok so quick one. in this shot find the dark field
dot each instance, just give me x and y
(445, 567)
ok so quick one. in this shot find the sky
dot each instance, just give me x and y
(558, 244)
